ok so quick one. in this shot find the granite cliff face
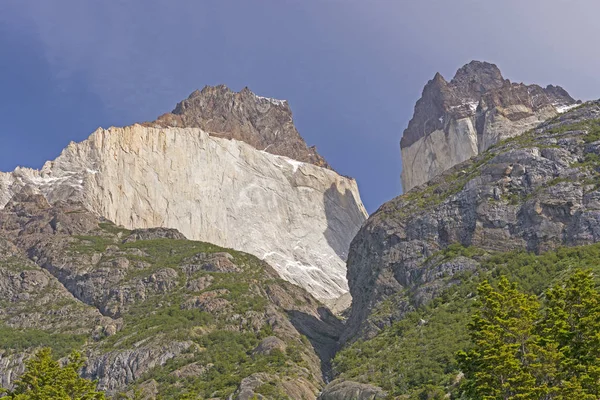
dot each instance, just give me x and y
(296, 215)
(534, 192)
(454, 121)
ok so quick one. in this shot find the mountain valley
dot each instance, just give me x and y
(212, 254)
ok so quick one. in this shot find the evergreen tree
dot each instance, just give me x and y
(45, 379)
(502, 331)
(571, 324)
(522, 350)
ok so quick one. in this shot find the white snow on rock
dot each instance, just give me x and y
(563, 108)
(473, 105)
(276, 102)
(294, 163)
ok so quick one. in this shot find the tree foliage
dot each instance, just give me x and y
(411, 357)
(46, 379)
(524, 348)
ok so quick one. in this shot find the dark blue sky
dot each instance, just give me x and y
(351, 70)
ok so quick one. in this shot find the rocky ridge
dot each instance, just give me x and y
(167, 316)
(534, 192)
(456, 120)
(297, 216)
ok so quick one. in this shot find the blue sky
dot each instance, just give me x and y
(351, 70)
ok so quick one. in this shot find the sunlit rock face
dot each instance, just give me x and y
(454, 121)
(298, 216)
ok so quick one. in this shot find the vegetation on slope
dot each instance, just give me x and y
(13, 339)
(416, 357)
(223, 341)
(218, 310)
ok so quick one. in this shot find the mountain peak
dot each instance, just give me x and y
(222, 92)
(195, 93)
(475, 68)
(465, 116)
(263, 122)
(438, 78)
(478, 76)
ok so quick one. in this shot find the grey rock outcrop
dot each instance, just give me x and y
(270, 344)
(12, 365)
(348, 390)
(217, 262)
(297, 216)
(454, 121)
(298, 388)
(535, 192)
(153, 233)
(115, 370)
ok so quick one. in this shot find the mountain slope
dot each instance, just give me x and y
(413, 266)
(297, 216)
(454, 121)
(533, 192)
(415, 357)
(152, 310)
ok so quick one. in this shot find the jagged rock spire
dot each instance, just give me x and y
(456, 120)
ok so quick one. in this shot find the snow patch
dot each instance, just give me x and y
(473, 105)
(46, 180)
(276, 102)
(295, 164)
(320, 277)
(563, 108)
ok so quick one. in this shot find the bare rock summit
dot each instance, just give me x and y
(264, 123)
(454, 121)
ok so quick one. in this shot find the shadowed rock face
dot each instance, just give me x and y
(456, 120)
(535, 192)
(342, 211)
(264, 123)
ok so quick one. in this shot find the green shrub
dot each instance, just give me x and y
(23, 339)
